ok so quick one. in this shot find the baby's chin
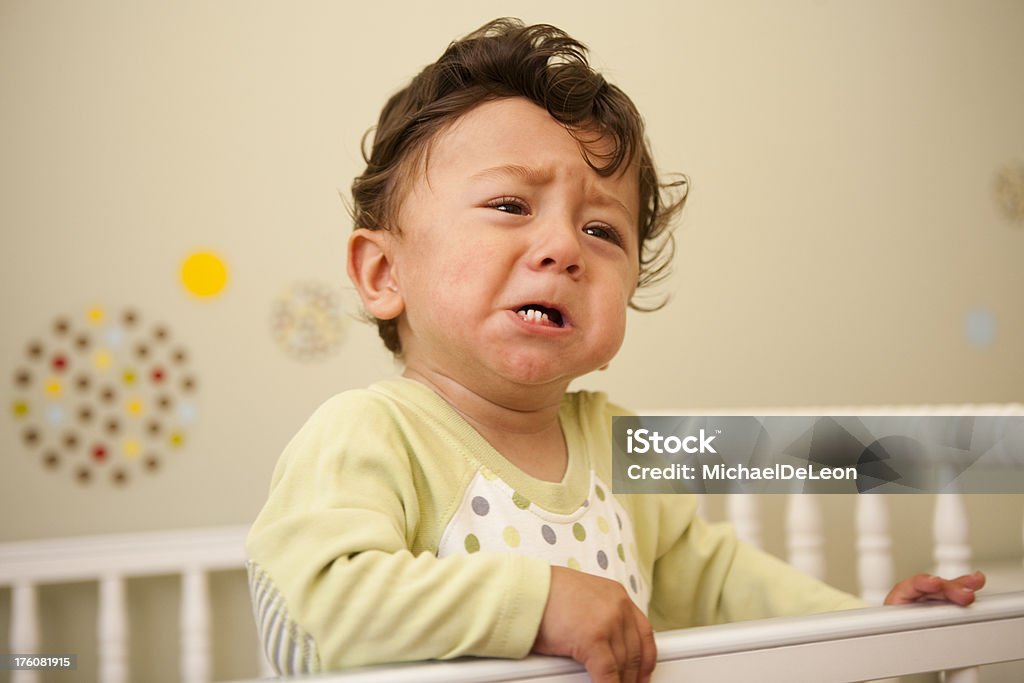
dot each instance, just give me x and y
(543, 370)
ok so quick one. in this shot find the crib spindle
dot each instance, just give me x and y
(741, 509)
(24, 633)
(112, 630)
(968, 675)
(804, 538)
(195, 626)
(952, 543)
(874, 548)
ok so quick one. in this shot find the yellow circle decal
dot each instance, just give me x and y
(204, 274)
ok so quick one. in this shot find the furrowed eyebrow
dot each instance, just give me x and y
(536, 176)
(533, 176)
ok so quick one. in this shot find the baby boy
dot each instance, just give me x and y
(508, 213)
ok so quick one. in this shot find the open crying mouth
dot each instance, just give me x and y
(540, 315)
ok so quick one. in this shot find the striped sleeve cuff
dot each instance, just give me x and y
(287, 647)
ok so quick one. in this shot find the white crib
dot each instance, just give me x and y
(870, 643)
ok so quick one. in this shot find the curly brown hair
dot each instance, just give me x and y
(505, 58)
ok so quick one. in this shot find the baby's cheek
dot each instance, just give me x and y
(474, 273)
(614, 332)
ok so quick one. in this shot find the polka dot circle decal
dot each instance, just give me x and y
(980, 327)
(307, 322)
(204, 274)
(1009, 192)
(104, 396)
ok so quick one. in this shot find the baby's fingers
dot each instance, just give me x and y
(633, 656)
(650, 649)
(961, 589)
(927, 587)
(602, 665)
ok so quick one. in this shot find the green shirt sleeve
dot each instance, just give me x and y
(705, 575)
(334, 543)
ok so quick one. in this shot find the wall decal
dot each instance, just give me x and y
(1009, 192)
(980, 327)
(204, 274)
(104, 396)
(307, 322)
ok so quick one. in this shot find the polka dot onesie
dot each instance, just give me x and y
(395, 532)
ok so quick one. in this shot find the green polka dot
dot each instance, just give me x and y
(574, 564)
(472, 543)
(488, 475)
(521, 501)
(600, 492)
(602, 524)
(511, 537)
(579, 532)
(621, 552)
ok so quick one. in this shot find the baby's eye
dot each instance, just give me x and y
(604, 232)
(511, 205)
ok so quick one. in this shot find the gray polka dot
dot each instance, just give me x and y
(549, 534)
(618, 519)
(481, 506)
(602, 559)
(586, 503)
(632, 582)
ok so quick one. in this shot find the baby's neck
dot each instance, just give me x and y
(526, 432)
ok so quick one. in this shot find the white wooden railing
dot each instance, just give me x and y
(836, 647)
(192, 554)
(111, 560)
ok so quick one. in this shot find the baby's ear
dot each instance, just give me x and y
(370, 268)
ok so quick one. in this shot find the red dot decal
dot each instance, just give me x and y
(107, 386)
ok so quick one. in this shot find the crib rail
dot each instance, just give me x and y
(110, 561)
(836, 647)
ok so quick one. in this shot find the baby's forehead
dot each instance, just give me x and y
(515, 138)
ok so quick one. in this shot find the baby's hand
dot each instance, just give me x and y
(926, 587)
(593, 621)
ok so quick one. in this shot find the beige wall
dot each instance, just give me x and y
(842, 221)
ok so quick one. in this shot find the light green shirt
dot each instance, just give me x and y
(395, 532)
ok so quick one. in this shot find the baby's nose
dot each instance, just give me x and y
(558, 248)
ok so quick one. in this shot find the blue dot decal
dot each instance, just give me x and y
(980, 327)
